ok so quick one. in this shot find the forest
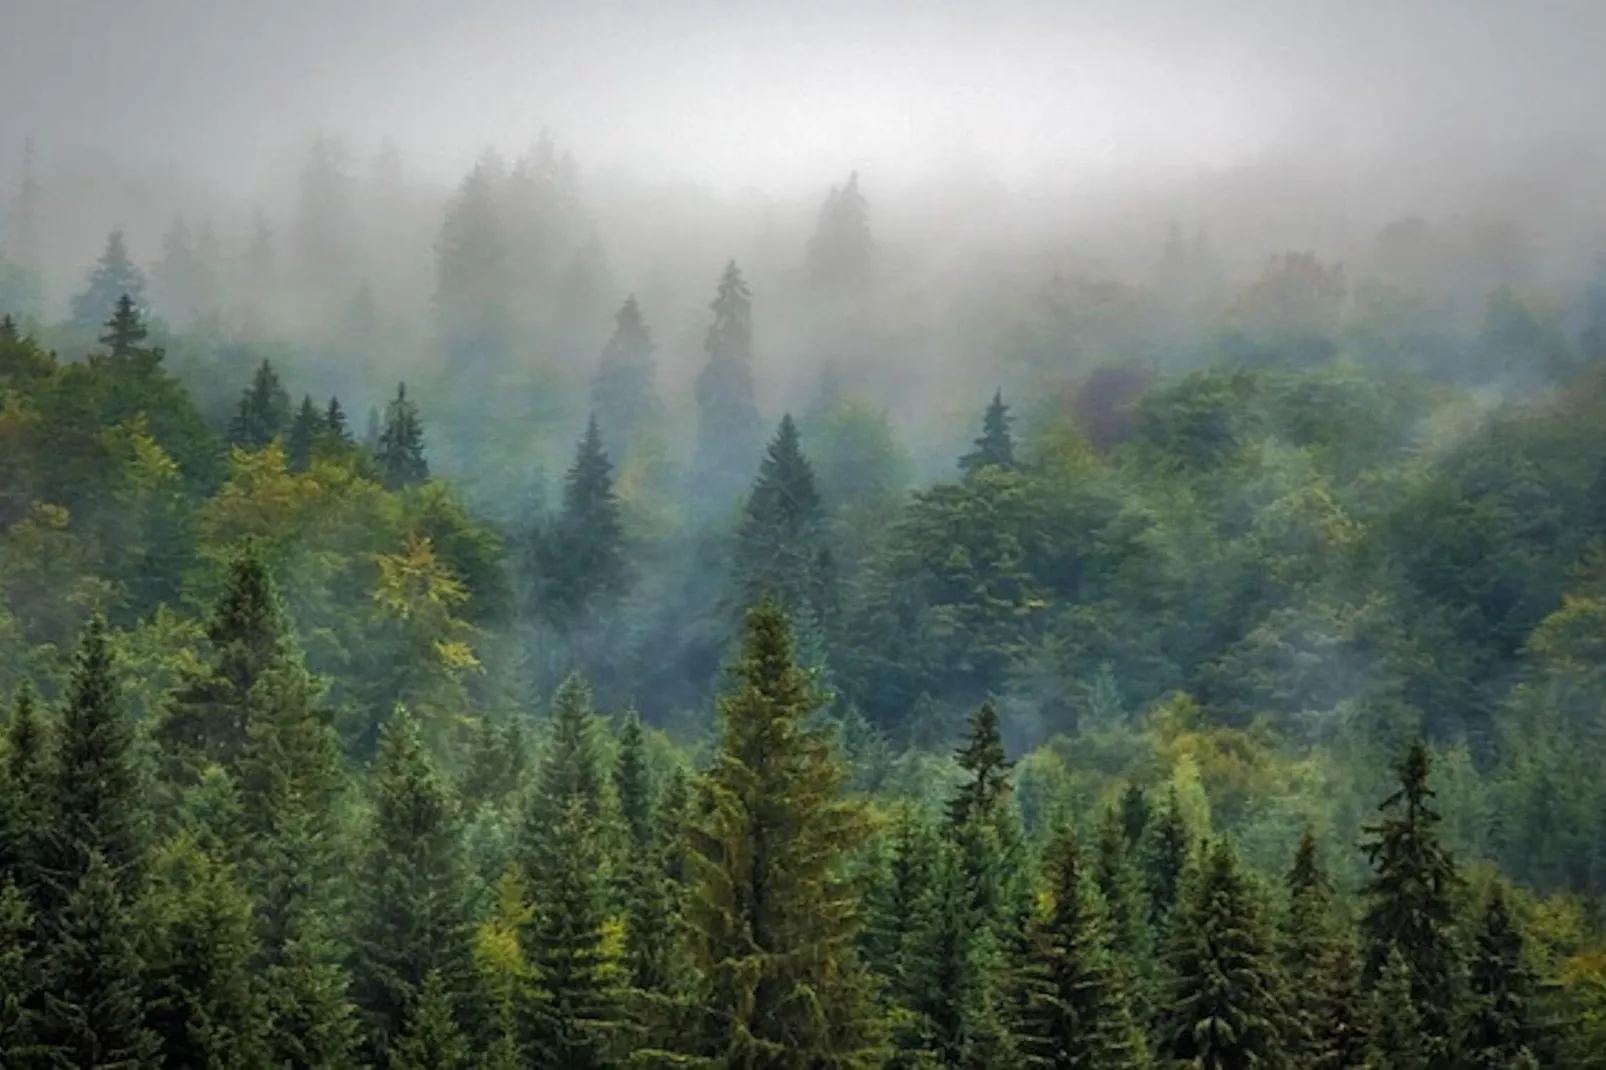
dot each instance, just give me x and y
(537, 622)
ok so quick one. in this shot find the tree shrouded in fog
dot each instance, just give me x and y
(400, 451)
(841, 253)
(729, 430)
(115, 275)
(472, 283)
(624, 395)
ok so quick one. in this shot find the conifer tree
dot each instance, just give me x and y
(1118, 882)
(1078, 1008)
(570, 767)
(995, 446)
(176, 276)
(1164, 857)
(582, 557)
(729, 431)
(263, 412)
(124, 333)
(1226, 1007)
(651, 922)
(895, 901)
(114, 276)
(19, 981)
(202, 998)
(23, 811)
(841, 252)
(1397, 1041)
(1328, 1014)
(314, 1025)
(774, 925)
(334, 423)
(10, 333)
(1410, 905)
(93, 1012)
(304, 433)
(400, 446)
(414, 910)
(1499, 1029)
(1135, 813)
(432, 1040)
(624, 396)
(94, 794)
(983, 758)
(950, 968)
(779, 542)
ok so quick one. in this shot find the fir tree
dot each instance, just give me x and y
(895, 901)
(93, 1013)
(177, 274)
(1164, 857)
(950, 968)
(95, 800)
(582, 557)
(778, 544)
(1078, 1010)
(414, 914)
(1328, 1015)
(400, 448)
(124, 333)
(729, 431)
(432, 1040)
(983, 758)
(773, 924)
(314, 1024)
(304, 433)
(202, 998)
(1118, 882)
(10, 333)
(1226, 1008)
(1397, 1039)
(841, 253)
(19, 981)
(623, 394)
(263, 412)
(24, 781)
(651, 921)
(114, 276)
(334, 423)
(1499, 1029)
(1135, 813)
(995, 446)
(1410, 903)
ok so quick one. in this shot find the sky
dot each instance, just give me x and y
(783, 94)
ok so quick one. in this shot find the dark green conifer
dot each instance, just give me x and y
(774, 924)
(93, 1011)
(304, 432)
(24, 781)
(334, 423)
(1164, 856)
(950, 972)
(1120, 885)
(1078, 1009)
(20, 970)
(125, 332)
(1410, 903)
(400, 445)
(432, 1040)
(314, 1024)
(1226, 1006)
(1397, 1041)
(263, 412)
(582, 556)
(1328, 1014)
(114, 276)
(9, 331)
(1135, 813)
(1499, 1030)
(986, 787)
(898, 894)
(414, 910)
(779, 542)
(623, 394)
(995, 446)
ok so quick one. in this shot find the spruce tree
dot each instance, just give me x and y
(304, 434)
(841, 252)
(774, 924)
(19, 981)
(124, 333)
(1397, 1040)
(114, 276)
(995, 446)
(1135, 813)
(623, 394)
(334, 424)
(400, 446)
(93, 1012)
(1164, 856)
(24, 780)
(1410, 902)
(94, 794)
(1078, 1006)
(950, 967)
(582, 557)
(1226, 1008)
(729, 431)
(779, 543)
(314, 1025)
(1118, 882)
(414, 914)
(432, 1040)
(986, 787)
(1328, 1014)
(895, 900)
(203, 1000)
(1499, 1029)
(263, 412)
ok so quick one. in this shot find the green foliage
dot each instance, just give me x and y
(779, 551)
(263, 412)
(624, 397)
(582, 556)
(433, 1040)
(400, 449)
(115, 276)
(1499, 1028)
(729, 431)
(995, 447)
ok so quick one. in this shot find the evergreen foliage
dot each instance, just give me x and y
(583, 555)
(1499, 1028)
(624, 396)
(263, 412)
(115, 276)
(778, 545)
(400, 446)
(729, 430)
(995, 447)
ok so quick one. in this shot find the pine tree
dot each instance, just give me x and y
(1410, 904)
(623, 393)
(1226, 1007)
(473, 285)
(334, 424)
(19, 980)
(263, 412)
(414, 913)
(1164, 857)
(983, 758)
(202, 998)
(582, 558)
(1119, 883)
(314, 1024)
(400, 447)
(1078, 1009)
(773, 924)
(177, 275)
(93, 1014)
(779, 542)
(729, 431)
(304, 434)
(995, 446)
(570, 767)
(24, 781)
(895, 900)
(1135, 813)
(1397, 1039)
(1499, 1029)
(950, 967)
(432, 1040)
(124, 333)
(1328, 1014)
(209, 718)
(94, 793)
(651, 920)
(113, 277)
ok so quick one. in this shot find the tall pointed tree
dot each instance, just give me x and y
(779, 543)
(1319, 956)
(895, 900)
(432, 1040)
(1499, 1029)
(583, 562)
(114, 276)
(304, 432)
(124, 333)
(24, 781)
(1121, 886)
(263, 412)
(20, 979)
(1410, 902)
(1226, 1007)
(624, 396)
(1395, 1037)
(987, 768)
(774, 924)
(841, 253)
(1078, 1008)
(400, 449)
(995, 446)
(729, 431)
(1164, 856)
